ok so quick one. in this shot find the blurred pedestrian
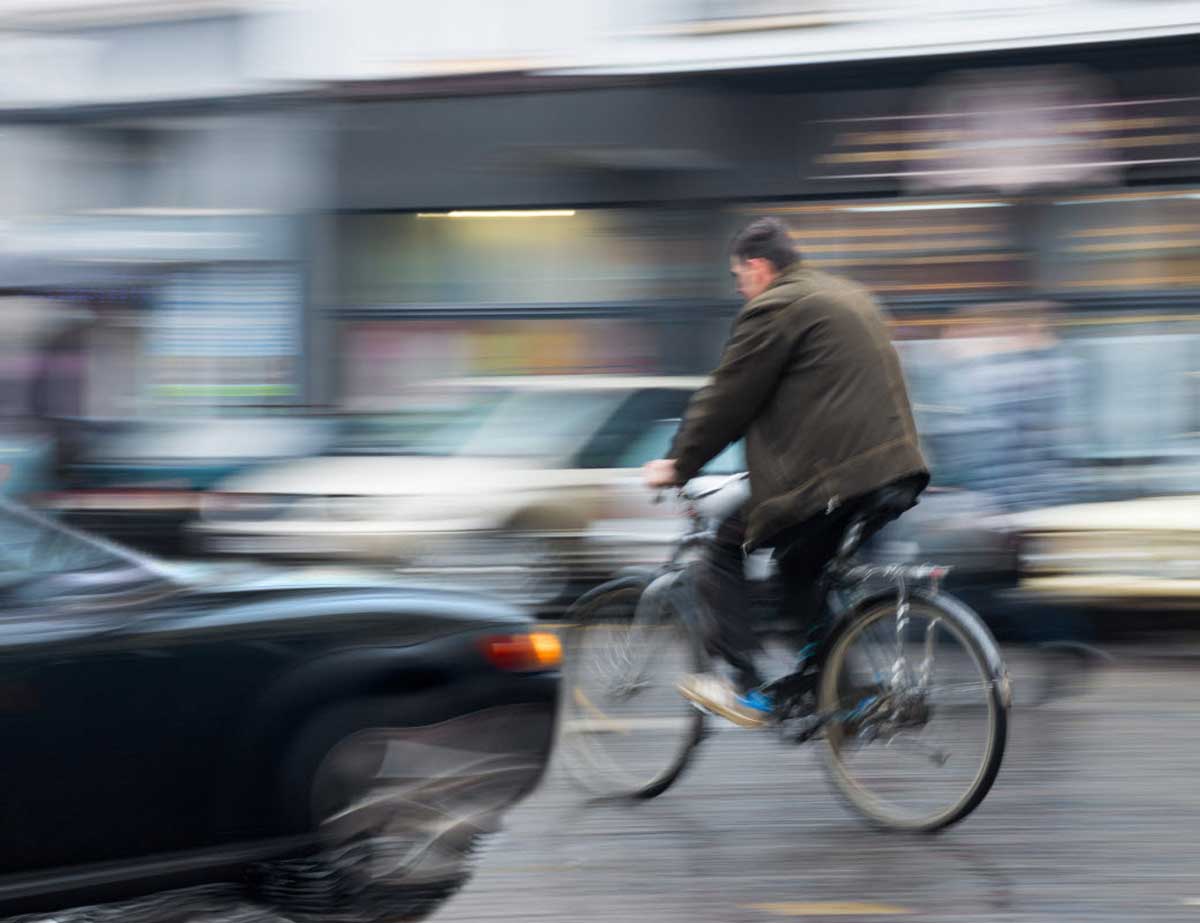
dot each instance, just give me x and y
(1011, 382)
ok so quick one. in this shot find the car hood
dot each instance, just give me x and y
(389, 475)
(248, 581)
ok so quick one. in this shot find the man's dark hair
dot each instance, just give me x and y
(766, 239)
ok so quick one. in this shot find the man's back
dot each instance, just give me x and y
(833, 419)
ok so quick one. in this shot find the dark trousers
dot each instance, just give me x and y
(801, 554)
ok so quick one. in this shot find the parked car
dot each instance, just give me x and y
(505, 491)
(1130, 553)
(140, 481)
(530, 486)
(329, 737)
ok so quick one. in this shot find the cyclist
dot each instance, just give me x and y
(810, 378)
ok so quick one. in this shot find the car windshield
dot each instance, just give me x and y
(35, 545)
(415, 431)
(656, 442)
(541, 423)
(427, 420)
(483, 421)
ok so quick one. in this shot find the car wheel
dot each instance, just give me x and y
(383, 852)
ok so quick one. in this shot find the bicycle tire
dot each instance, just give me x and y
(978, 641)
(621, 595)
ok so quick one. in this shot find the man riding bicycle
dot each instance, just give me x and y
(811, 379)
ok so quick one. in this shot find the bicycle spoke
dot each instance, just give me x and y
(646, 641)
(596, 719)
(880, 667)
(625, 728)
(981, 690)
(917, 747)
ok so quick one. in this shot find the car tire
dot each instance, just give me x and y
(339, 880)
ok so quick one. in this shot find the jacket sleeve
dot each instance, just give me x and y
(720, 413)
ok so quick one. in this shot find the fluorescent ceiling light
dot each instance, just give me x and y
(536, 213)
(923, 206)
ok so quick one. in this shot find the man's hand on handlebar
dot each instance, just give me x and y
(660, 474)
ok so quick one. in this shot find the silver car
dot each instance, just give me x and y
(525, 484)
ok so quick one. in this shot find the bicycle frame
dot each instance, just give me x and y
(868, 583)
(871, 676)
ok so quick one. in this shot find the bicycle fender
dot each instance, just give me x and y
(662, 591)
(630, 581)
(639, 572)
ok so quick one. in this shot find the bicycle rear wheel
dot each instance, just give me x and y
(916, 705)
(625, 731)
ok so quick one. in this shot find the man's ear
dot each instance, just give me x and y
(766, 267)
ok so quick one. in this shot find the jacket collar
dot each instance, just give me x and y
(791, 274)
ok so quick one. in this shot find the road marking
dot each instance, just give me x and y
(1191, 902)
(830, 909)
(598, 716)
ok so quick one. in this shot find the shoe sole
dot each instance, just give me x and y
(734, 717)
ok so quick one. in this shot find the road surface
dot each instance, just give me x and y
(1095, 817)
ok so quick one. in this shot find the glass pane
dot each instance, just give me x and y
(653, 444)
(541, 424)
(730, 461)
(657, 441)
(1127, 243)
(547, 257)
(916, 248)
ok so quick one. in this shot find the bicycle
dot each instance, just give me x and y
(866, 688)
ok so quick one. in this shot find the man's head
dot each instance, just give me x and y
(759, 254)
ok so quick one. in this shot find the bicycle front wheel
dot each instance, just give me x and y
(916, 704)
(625, 730)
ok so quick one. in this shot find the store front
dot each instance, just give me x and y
(431, 295)
(179, 314)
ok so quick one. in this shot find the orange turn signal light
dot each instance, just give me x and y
(524, 653)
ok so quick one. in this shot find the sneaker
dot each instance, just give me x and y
(718, 696)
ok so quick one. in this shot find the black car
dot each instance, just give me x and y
(330, 741)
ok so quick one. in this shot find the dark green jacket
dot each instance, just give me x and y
(812, 381)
